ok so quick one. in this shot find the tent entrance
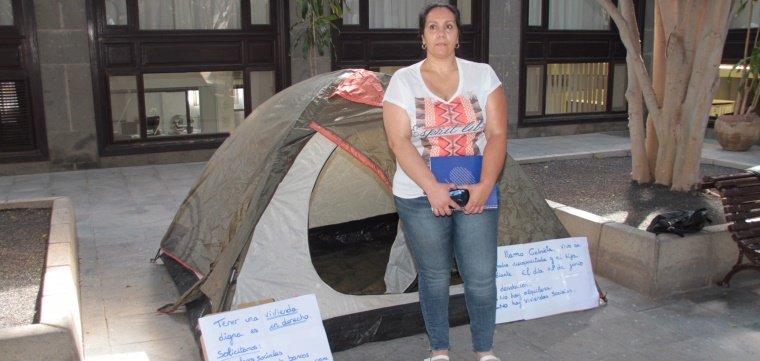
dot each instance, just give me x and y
(352, 226)
(351, 257)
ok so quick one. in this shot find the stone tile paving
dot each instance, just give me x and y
(122, 214)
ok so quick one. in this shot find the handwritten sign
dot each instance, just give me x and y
(287, 330)
(544, 278)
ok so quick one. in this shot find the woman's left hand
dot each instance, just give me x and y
(479, 194)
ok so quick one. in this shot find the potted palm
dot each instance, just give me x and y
(314, 27)
(740, 130)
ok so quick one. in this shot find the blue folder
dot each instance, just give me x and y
(462, 170)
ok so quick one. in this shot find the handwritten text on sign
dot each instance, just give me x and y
(544, 278)
(267, 333)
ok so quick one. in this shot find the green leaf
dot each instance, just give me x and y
(315, 23)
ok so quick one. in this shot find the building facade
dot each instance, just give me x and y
(102, 83)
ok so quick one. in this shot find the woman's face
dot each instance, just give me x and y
(441, 34)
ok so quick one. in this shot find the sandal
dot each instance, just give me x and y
(489, 358)
(437, 358)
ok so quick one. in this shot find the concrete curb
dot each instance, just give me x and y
(58, 335)
(654, 265)
(573, 156)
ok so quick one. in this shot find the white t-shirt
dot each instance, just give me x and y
(441, 128)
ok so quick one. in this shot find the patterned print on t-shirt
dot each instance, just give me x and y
(448, 128)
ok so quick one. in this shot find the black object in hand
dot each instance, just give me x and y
(460, 196)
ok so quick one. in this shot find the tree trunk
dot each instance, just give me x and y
(640, 171)
(689, 38)
(710, 43)
(658, 84)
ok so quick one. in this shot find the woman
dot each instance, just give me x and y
(446, 106)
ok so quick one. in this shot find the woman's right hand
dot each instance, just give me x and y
(439, 199)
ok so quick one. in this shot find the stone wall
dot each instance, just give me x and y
(64, 53)
(504, 52)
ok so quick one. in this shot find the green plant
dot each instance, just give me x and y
(748, 93)
(315, 24)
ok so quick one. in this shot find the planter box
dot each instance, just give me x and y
(654, 265)
(58, 335)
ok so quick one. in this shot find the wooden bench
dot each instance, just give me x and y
(740, 195)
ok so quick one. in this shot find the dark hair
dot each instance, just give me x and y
(438, 4)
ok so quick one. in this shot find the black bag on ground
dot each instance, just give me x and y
(679, 222)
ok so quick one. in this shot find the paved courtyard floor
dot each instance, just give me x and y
(122, 214)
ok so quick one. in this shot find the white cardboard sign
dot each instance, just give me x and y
(287, 330)
(544, 278)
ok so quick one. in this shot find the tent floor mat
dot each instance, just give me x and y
(351, 257)
(354, 270)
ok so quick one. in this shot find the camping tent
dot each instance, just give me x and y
(314, 156)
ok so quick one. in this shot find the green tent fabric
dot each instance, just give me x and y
(239, 205)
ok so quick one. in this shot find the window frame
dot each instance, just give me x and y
(125, 50)
(23, 36)
(542, 46)
(359, 46)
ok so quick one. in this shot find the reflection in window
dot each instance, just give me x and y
(190, 103)
(534, 12)
(740, 19)
(262, 87)
(351, 12)
(619, 84)
(725, 94)
(239, 105)
(167, 113)
(125, 114)
(577, 15)
(576, 88)
(189, 14)
(6, 13)
(396, 14)
(178, 104)
(260, 12)
(116, 12)
(534, 83)
(465, 11)
(15, 125)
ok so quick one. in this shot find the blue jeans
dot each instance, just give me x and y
(472, 239)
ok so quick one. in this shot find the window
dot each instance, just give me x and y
(384, 33)
(582, 88)
(577, 15)
(179, 74)
(6, 13)
(22, 122)
(534, 12)
(725, 94)
(179, 104)
(260, 12)
(394, 14)
(116, 12)
(193, 14)
(740, 19)
(574, 68)
(14, 112)
(569, 15)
